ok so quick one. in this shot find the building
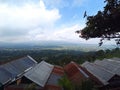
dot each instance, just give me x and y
(105, 73)
(75, 73)
(14, 70)
(52, 83)
(43, 76)
(26, 73)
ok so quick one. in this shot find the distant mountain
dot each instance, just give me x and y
(54, 45)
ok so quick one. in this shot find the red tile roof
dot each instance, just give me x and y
(75, 73)
(58, 70)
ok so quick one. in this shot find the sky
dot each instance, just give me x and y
(45, 20)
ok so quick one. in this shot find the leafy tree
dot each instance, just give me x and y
(105, 24)
(65, 83)
(68, 85)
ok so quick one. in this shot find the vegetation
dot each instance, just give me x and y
(30, 87)
(67, 85)
(58, 57)
(105, 24)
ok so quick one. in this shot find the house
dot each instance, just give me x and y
(43, 76)
(105, 73)
(52, 83)
(14, 70)
(26, 73)
(109, 64)
(75, 73)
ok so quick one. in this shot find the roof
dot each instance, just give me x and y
(5, 76)
(75, 73)
(12, 70)
(85, 63)
(115, 58)
(58, 70)
(99, 72)
(56, 74)
(110, 64)
(54, 78)
(105, 64)
(40, 73)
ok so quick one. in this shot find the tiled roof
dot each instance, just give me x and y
(58, 70)
(73, 68)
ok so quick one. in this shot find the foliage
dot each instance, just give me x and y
(105, 24)
(65, 83)
(30, 87)
(61, 58)
(58, 57)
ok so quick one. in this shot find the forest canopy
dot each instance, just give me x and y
(105, 24)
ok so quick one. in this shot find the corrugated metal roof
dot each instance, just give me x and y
(15, 68)
(54, 78)
(111, 61)
(102, 74)
(106, 65)
(110, 65)
(115, 58)
(5, 76)
(11, 69)
(40, 73)
(85, 63)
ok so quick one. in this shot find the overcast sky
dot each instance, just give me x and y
(36, 20)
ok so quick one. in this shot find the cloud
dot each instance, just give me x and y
(32, 21)
(20, 21)
(65, 33)
(18, 2)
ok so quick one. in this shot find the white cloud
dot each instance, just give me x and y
(25, 19)
(34, 22)
(65, 33)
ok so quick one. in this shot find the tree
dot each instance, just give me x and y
(105, 24)
(65, 83)
(30, 87)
